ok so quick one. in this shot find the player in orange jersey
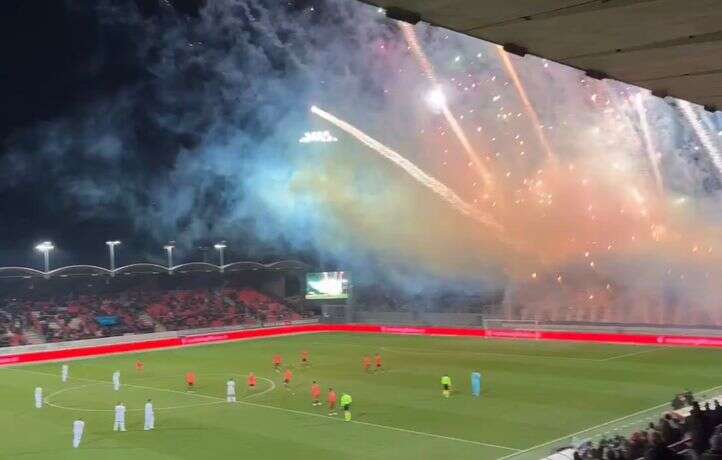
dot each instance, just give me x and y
(315, 394)
(277, 361)
(252, 381)
(367, 363)
(332, 398)
(304, 359)
(139, 366)
(191, 380)
(287, 377)
(379, 362)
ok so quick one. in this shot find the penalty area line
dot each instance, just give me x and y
(293, 411)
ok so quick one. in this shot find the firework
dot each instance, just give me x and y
(702, 134)
(528, 107)
(652, 155)
(414, 171)
(439, 100)
(583, 215)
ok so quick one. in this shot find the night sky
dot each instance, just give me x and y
(66, 67)
(59, 58)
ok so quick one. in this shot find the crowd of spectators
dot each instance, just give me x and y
(135, 311)
(177, 310)
(11, 329)
(674, 437)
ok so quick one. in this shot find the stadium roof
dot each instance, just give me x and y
(147, 268)
(671, 47)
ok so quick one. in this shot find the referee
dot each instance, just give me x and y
(346, 405)
(446, 385)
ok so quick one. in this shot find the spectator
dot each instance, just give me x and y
(690, 438)
(669, 429)
(658, 450)
(74, 317)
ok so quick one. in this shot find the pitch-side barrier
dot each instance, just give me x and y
(124, 344)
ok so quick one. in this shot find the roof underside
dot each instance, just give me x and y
(673, 47)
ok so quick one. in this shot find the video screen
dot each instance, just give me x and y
(327, 285)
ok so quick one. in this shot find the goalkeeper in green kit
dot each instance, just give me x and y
(346, 405)
(446, 386)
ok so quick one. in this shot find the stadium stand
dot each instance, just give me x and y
(72, 310)
(693, 432)
(11, 329)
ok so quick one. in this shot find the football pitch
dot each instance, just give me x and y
(535, 395)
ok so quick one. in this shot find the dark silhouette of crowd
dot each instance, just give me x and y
(674, 437)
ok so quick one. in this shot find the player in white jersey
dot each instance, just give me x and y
(119, 424)
(149, 416)
(64, 372)
(231, 390)
(116, 380)
(38, 397)
(78, 429)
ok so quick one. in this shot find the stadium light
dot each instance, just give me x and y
(317, 136)
(169, 249)
(45, 247)
(220, 246)
(111, 249)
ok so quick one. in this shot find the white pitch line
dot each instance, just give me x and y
(491, 353)
(272, 385)
(293, 411)
(49, 402)
(488, 353)
(596, 426)
(632, 354)
(267, 390)
(387, 427)
(450, 438)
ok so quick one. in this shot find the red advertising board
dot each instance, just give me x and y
(251, 334)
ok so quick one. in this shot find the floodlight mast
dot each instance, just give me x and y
(111, 249)
(45, 247)
(169, 249)
(220, 246)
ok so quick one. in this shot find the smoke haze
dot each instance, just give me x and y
(200, 142)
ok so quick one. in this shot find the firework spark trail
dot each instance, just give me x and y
(428, 69)
(708, 123)
(528, 107)
(473, 156)
(413, 42)
(652, 155)
(414, 171)
(702, 134)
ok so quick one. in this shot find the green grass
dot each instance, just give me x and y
(533, 393)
